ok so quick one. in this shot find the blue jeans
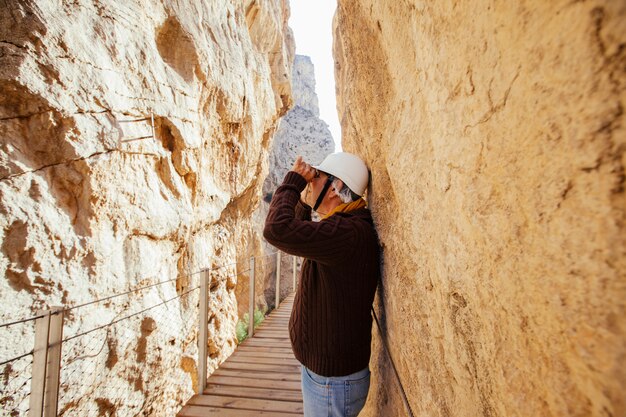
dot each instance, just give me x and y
(342, 396)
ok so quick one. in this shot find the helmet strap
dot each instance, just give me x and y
(329, 181)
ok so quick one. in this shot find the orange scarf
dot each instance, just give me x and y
(347, 207)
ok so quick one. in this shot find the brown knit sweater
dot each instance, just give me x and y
(330, 325)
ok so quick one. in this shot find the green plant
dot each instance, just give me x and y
(242, 325)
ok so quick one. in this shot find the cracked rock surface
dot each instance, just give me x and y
(496, 138)
(133, 144)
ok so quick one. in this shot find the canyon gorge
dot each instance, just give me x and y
(135, 144)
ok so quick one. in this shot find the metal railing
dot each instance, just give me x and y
(60, 372)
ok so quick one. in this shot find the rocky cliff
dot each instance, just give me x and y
(301, 132)
(133, 143)
(495, 135)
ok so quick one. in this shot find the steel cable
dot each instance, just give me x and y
(117, 295)
(129, 316)
(393, 365)
(17, 357)
(21, 321)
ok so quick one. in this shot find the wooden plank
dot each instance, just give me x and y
(274, 321)
(278, 329)
(252, 392)
(276, 337)
(292, 361)
(275, 326)
(269, 343)
(263, 365)
(254, 383)
(286, 350)
(279, 334)
(276, 376)
(198, 411)
(267, 361)
(247, 403)
(260, 367)
(272, 336)
(266, 342)
(275, 333)
(257, 354)
(253, 356)
(271, 360)
(275, 343)
(261, 339)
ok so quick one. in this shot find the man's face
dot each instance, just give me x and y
(315, 187)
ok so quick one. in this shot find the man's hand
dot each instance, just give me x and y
(304, 169)
(308, 172)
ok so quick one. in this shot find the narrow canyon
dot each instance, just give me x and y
(136, 140)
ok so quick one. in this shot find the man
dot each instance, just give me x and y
(330, 325)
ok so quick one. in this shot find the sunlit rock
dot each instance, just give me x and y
(495, 133)
(133, 143)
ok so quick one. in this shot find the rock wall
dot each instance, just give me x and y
(301, 132)
(495, 135)
(133, 138)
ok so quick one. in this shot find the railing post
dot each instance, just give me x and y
(46, 373)
(295, 265)
(40, 358)
(53, 372)
(202, 333)
(277, 279)
(251, 310)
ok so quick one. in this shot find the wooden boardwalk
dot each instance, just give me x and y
(261, 378)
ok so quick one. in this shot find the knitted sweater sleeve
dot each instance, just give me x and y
(328, 241)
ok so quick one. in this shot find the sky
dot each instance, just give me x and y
(311, 22)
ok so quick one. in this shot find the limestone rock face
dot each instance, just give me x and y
(495, 134)
(301, 132)
(303, 79)
(132, 141)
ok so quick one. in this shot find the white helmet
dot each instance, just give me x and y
(348, 168)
